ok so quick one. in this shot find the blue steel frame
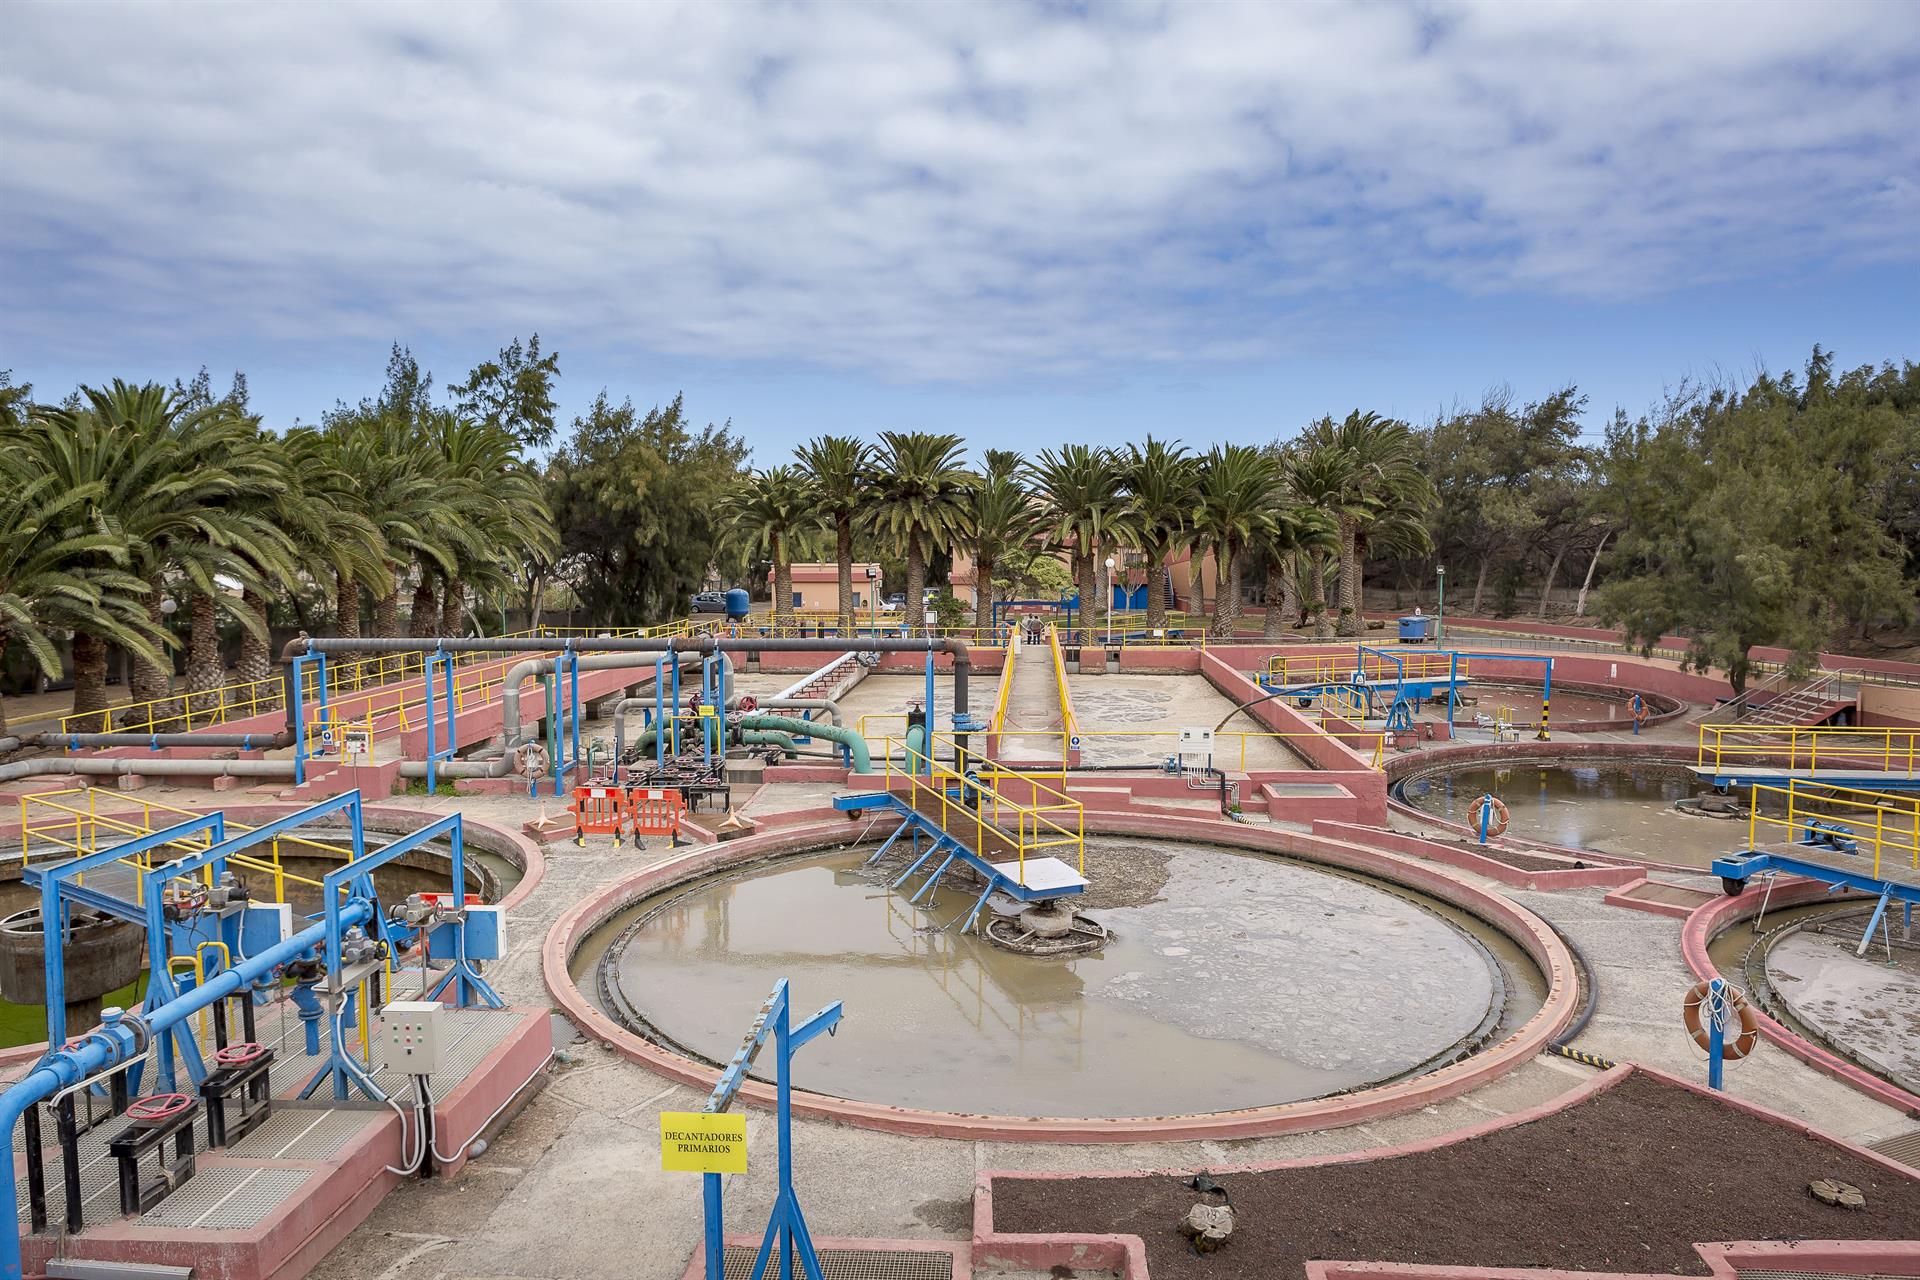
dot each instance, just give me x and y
(1742, 866)
(1546, 684)
(442, 661)
(56, 893)
(160, 985)
(300, 665)
(786, 1224)
(354, 881)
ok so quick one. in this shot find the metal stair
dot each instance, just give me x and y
(1808, 700)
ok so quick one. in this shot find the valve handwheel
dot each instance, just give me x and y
(749, 703)
(159, 1108)
(239, 1055)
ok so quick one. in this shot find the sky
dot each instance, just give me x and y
(1024, 222)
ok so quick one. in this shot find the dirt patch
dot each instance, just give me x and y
(954, 1215)
(1518, 860)
(1125, 873)
(1628, 1180)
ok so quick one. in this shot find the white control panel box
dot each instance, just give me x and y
(410, 1036)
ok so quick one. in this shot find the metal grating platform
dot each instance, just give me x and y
(99, 1175)
(853, 1264)
(305, 1133)
(1904, 1147)
(227, 1198)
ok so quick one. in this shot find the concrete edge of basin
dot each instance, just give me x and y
(387, 819)
(1710, 919)
(1531, 933)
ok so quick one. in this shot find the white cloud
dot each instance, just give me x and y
(926, 190)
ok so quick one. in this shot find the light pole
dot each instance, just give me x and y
(1440, 616)
(1109, 602)
(873, 596)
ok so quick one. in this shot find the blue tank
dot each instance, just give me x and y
(739, 604)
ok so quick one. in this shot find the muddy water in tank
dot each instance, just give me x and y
(1232, 980)
(1614, 808)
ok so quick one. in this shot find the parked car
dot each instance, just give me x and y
(710, 602)
(894, 603)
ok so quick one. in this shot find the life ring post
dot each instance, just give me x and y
(1710, 1008)
(1490, 816)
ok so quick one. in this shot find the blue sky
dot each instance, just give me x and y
(1027, 223)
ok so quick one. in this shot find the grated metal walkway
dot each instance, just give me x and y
(853, 1264)
(232, 1192)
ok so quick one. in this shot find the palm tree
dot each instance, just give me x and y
(1381, 497)
(1000, 521)
(1237, 483)
(1316, 475)
(60, 563)
(1292, 530)
(318, 508)
(838, 468)
(404, 491)
(773, 510)
(174, 483)
(1162, 483)
(1083, 507)
(505, 510)
(918, 503)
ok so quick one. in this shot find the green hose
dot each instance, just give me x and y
(848, 738)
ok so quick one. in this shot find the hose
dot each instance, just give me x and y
(1562, 1044)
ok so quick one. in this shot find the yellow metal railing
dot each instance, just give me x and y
(998, 721)
(1889, 824)
(72, 828)
(200, 709)
(977, 811)
(1334, 668)
(1895, 751)
(1069, 727)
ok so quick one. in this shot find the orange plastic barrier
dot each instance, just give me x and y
(655, 811)
(599, 811)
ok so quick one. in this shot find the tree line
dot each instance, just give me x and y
(150, 519)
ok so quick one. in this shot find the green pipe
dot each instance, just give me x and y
(768, 738)
(848, 738)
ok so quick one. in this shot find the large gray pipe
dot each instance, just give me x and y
(828, 705)
(120, 766)
(245, 741)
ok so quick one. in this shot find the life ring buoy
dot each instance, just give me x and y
(1732, 1048)
(1497, 820)
(1640, 712)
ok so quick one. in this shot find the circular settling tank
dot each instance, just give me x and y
(1624, 808)
(1230, 980)
(1519, 704)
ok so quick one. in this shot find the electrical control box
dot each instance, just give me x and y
(409, 1041)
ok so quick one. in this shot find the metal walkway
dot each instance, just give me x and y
(1023, 878)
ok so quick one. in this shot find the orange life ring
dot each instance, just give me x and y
(1639, 709)
(1732, 1048)
(1497, 824)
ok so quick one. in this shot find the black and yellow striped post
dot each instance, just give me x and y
(1546, 701)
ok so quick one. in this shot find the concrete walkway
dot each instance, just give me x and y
(1032, 731)
(573, 1190)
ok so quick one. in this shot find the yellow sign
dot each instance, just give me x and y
(699, 1142)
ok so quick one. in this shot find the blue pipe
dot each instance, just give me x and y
(117, 1041)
